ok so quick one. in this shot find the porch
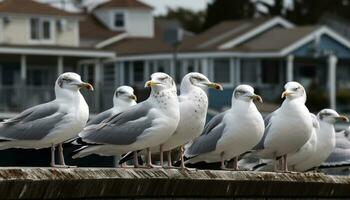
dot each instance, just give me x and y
(327, 75)
(27, 78)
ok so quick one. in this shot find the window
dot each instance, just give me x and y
(138, 71)
(38, 77)
(222, 72)
(249, 71)
(108, 74)
(119, 20)
(34, 29)
(9, 74)
(40, 29)
(307, 71)
(270, 71)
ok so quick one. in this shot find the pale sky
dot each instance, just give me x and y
(160, 6)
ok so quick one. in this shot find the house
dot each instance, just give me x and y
(37, 42)
(119, 42)
(264, 52)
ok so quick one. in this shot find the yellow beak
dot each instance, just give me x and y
(86, 85)
(151, 83)
(342, 118)
(133, 97)
(216, 86)
(257, 98)
(285, 94)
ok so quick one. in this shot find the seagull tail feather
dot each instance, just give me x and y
(81, 152)
(128, 156)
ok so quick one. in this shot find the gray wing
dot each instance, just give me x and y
(32, 124)
(341, 153)
(338, 157)
(267, 122)
(122, 128)
(100, 117)
(342, 141)
(207, 141)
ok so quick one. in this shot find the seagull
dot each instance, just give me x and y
(288, 128)
(307, 150)
(193, 101)
(325, 140)
(52, 123)
(339, 161)
(145, 125)
(230, 133)
(123, 98)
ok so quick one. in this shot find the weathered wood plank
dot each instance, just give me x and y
(31, 183)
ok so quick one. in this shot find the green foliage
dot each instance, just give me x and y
(191, 21)
(309, 11)
(220, 10)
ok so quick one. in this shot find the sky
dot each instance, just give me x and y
(160, 6)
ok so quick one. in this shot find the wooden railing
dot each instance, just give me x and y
(110, 183)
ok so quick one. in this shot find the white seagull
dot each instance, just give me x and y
(288, 128)
(325, 140)
(307, 150)
(52, 123)
(339, 161)
(123, 98)
(193, 102)
(230, 133)
(145, 125)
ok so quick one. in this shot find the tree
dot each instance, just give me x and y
(308, 11)
(191, 21)
(220, 10)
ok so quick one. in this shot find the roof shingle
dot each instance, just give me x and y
(221, 33)
(123, 4)
(275, 39)
(32, 7)
(92, 28)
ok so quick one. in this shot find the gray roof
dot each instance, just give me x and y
(275, 39)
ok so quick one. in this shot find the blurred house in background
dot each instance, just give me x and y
(119, 42)
(37, 42)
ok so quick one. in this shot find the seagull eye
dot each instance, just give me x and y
(239, 93)
(67, 80)
(198, 78)
(120, 92)
(163, 78)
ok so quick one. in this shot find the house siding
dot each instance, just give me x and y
(138, 22)
(325, 45)
(17, 32)
(70, 34)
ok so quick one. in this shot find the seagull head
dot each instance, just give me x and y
(245, 93)
(72, 81)
(293, 90)
(331, 116)
(198, 80)
(124, 94)
(160, 81)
